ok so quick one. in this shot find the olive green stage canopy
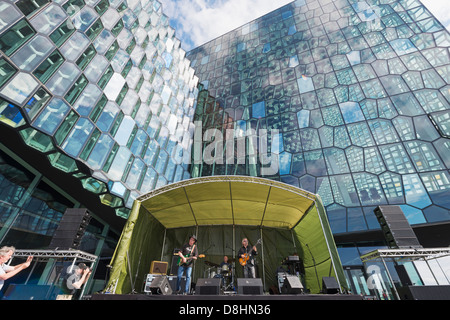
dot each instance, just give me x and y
(220, 211)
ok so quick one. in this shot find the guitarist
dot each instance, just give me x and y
(188, 254)
(244, 253)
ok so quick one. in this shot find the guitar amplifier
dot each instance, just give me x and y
(159, 267)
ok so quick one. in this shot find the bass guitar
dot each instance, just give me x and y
(246, 256)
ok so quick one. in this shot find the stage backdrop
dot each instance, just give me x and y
(222, 210)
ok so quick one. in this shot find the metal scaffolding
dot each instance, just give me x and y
(403, 254)
(411, 254)
(51, 256)
(56, 254)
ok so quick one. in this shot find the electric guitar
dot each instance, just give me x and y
(246, 256)
(186, 260)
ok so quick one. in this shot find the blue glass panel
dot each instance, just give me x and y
(305, 84)
(100, 151)
(118, 189)
(161, 161)
(303, 118)
(149, 180)
(135, 173)
(52, 116)
(78, 137)
(284, 162)
(259, 110)
(351, 112)
(413, 215)
(10, 112)
(120, 163)
(124, 131)
(107, 117)
(415, 192)
(403, 46)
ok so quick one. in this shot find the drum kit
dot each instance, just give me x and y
(224, 272)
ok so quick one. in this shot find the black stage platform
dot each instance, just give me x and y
(226, 297)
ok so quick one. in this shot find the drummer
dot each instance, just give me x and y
(225, 266)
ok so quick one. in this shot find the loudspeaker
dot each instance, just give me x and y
(159, 285)
(249, 286)
(396, 228)
(330, 285)
(70, 229)
(174, 265)
(292, 285)
(158, 267)
(208, 286)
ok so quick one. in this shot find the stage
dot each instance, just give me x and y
(227, 297)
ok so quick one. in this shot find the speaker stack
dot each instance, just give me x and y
(70, 229)
(396, 228)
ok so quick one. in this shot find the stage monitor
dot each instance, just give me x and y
(208, 286)
(250, 286)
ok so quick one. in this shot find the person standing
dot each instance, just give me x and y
(246, 259)
(7, 271)
(188, 254)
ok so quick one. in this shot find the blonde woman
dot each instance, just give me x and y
(7, 271)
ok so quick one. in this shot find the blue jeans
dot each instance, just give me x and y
(181, 270)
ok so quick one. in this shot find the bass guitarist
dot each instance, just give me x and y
(246, 258)
(187, 254)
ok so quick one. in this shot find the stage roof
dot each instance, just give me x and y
(228, 200)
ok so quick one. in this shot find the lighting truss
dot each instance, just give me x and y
(406, 253)
(56, 254)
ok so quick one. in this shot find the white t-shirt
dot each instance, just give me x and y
(4, 268)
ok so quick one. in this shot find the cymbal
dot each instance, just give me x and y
(211, 264)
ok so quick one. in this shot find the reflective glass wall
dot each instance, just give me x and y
(101, 83)
(357, 93)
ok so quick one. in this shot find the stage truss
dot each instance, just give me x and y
(56, 254)
(409, 253)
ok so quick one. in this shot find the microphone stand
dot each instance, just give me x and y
(233, 268)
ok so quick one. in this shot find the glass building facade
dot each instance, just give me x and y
(104, 83)
(357, 93)
(97, 102)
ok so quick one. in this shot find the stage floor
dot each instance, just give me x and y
(226, 297)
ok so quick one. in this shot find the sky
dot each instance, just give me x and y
(198, 21)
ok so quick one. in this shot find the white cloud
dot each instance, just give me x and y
(199, 21)
(440, 9)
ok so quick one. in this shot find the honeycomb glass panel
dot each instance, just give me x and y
(15, 37)
(30, 55)
(49, 66)
(6, 71)
(20, 88)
